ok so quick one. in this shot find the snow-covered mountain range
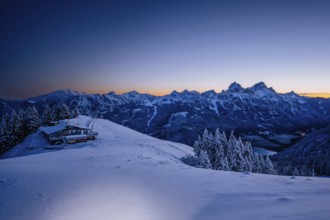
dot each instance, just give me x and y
(258, 113)
(127, 175)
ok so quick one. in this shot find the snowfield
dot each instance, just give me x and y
(127, 175)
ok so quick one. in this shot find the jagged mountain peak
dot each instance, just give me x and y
(292, 93)
(209, 93)
(174, 92)
(261, 90)
(259, 86)
(185, 95)
(235, 87)
(111, 93)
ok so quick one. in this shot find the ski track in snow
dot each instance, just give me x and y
(91, 124)
(130, 176)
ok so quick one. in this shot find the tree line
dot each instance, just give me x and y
(216, 151)
(15, 126)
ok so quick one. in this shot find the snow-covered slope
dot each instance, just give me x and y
(110, 134)
(127, 175)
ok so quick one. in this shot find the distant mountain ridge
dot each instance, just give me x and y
(257, 113)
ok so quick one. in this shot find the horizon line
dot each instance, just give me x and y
(305, 94)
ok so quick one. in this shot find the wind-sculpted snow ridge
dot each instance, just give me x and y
(257, 114)
(130, 176)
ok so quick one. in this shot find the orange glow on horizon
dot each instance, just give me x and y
(316, 95)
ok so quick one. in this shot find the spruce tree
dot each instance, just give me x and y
(33, 119)
(241, 160)
(206, 142)
(203, 160)
(257, 167)
(262, 163)
(231, 152)
(2, 135)
(22, 115)
(211, 148)
(248, 156)
(269, 166)
(219, 153)
(197, 146)
(62, 112)
(18, 134)
(221, 159)
(47, 115)
(75, 113)
(7, 132)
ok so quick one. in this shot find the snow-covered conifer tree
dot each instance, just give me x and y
(221, 159)
(62, 112)
(7, 132)
(211, 148)
(248, 156)
(47, 115)
(232, 152)
(203, 160)
(75, 113)
(269, 166)
(262, 163)
(2, 135)
(197, 146)
(18, 133)
(22, 115)
(257, 167)
(220, 153)
(33, 119)
(240, 161)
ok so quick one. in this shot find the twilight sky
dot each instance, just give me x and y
(158, 46)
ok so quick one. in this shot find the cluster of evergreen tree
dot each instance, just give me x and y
(307, 165)
(288, 168)
(216, 151)
(14, 127)
(58, 112)
(17, 125)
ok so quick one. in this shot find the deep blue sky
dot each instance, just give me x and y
(158, 46)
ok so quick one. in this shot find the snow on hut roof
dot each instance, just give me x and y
(62, 125)
(77, 125)
(53, 129)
